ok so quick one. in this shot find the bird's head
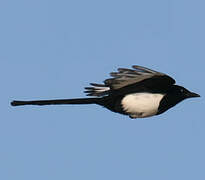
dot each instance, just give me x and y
(183, 93)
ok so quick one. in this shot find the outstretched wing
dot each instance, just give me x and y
(125, 78)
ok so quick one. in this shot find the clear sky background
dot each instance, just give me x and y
(53, 49)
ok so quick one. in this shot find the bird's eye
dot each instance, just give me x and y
(181, 90)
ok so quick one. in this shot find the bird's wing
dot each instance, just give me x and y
(126, 78)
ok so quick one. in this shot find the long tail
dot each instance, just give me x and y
(57, 101)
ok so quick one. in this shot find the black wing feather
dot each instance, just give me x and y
(131, 80)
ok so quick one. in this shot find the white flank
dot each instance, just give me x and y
(140, 105)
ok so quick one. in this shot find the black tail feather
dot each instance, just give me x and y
(57, 101)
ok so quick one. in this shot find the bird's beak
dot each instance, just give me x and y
(191, 94)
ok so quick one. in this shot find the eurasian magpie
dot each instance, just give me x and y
(139, 92)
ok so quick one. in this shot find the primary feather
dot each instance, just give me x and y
(125, 77)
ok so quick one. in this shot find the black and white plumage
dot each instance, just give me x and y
(139, 92)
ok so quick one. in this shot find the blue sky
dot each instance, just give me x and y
(53, 49)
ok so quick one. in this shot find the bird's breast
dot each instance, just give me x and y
(140, 105)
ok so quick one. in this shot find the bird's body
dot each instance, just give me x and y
(139, 92)
(147, 104)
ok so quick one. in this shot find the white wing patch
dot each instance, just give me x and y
(140, 105)
(97, 90)
(101, 89)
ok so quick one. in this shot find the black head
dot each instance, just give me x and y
(182, 93)
(174, 95)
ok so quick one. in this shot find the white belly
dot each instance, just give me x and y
(139, 105)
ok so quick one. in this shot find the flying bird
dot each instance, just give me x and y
(138, 92)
